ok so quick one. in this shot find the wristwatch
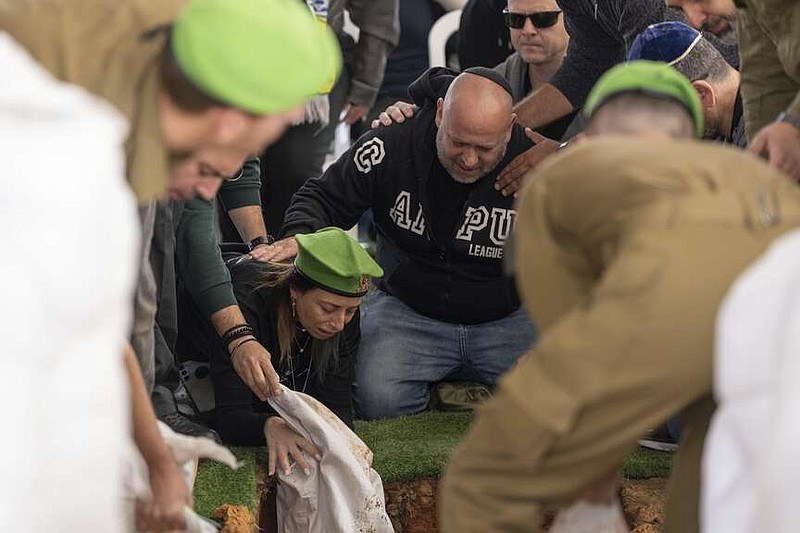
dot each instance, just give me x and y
(789, 119)
(259, 241)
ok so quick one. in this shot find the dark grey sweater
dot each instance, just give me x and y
(600, 33)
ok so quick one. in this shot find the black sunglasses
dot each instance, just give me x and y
(542, 19)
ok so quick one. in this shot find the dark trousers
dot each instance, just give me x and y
(286, 165)
(162, 259)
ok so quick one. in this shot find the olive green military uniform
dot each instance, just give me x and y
(624, 250)
(769, 46)
(97, 45)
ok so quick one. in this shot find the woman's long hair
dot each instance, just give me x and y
(279, 278)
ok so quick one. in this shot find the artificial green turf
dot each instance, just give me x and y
(644, 464)
(415, 446)
(217, 484)
(404, 448)
(419, 446)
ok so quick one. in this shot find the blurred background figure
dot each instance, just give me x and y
(300, 153)
(65, 312)
(483, 39)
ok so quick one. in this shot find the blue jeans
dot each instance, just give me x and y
(402, 353)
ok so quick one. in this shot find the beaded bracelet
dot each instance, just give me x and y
(251, 339)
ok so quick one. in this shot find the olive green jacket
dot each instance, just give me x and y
(769, 46)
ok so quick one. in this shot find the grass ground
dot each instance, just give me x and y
(217, 484)
(404, 448)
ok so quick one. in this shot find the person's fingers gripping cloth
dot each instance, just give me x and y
(343, 492)
(186, 451)
(262, 57)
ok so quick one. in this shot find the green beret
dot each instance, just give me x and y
(262, 56)
(647, 77)
(333, 261)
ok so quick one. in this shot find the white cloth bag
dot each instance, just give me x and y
(751, 460)
(342, 493)
(68, 231)
(186, 451)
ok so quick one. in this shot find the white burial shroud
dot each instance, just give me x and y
(343, 493)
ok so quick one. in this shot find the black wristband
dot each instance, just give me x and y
(259, 241)
(236, 332)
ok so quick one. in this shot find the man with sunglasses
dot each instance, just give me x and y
(540, 43)
(600, 34)
(540, 40)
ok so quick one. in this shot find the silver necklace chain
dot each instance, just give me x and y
(301, 349)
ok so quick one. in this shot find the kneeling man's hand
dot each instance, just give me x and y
(780, 144)
(283, 442)
(510, 181)
(279, 251)
(397, 113)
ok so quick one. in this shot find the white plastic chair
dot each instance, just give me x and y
(442, 29)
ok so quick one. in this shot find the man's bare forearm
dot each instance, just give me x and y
(249, 222)
(542, 107)
(227, 318)
(145, 430)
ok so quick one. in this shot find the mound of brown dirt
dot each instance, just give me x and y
(235, 519)
(412, 505)
(643, 502)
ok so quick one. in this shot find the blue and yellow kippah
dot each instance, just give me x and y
(668, 42)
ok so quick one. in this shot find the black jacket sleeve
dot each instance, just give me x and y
(344, 191)
(600, 32)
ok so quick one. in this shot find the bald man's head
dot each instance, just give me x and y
(474, 122)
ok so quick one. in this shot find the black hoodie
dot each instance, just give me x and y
(458, 281)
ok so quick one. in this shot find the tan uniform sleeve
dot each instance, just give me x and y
(574, 407)
(794, 108)
(769, 48)
(566, 415)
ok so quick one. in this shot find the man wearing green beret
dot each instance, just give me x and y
(623, 268)
(181, 73)
(191, 90)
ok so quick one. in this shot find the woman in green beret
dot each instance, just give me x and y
(306, 315)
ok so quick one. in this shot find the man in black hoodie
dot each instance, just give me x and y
(444, 309)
